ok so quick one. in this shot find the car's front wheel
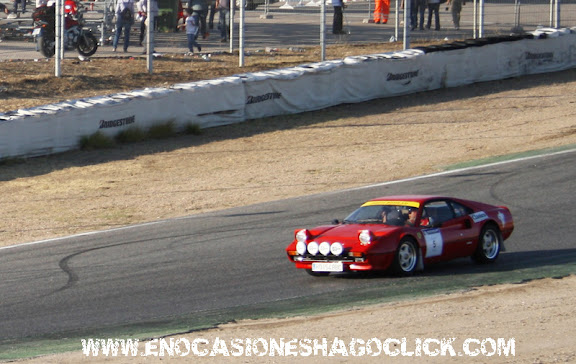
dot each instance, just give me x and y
(489, 245)
(406, 258)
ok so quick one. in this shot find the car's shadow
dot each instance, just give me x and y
(507, 262)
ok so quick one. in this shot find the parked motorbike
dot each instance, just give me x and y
(75, 36)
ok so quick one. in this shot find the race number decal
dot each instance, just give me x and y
(434, 242)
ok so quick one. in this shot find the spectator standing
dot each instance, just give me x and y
(433, 9)
(381, 11)
(224, 24)
(145, 8)
(192, 24)
(338, 17)
(456, 8)
(200, 7)
(15, 8)
(421, 6)
(213, 10)
(124, 20)
(413, 13)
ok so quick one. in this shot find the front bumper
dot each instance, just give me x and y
(347, 266)
(349, 263)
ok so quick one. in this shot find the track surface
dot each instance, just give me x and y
(235, 257)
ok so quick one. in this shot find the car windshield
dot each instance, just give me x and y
(378, 214)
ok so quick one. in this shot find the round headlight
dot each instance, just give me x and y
(324, 248)
(301, 247)
(365, 237)
(336, 248)
(302, 235)
(313, 248)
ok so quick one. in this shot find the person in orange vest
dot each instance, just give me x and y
(381, 11)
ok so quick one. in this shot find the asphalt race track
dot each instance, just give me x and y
(235, 258)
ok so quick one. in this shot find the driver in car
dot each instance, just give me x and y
(412, 211)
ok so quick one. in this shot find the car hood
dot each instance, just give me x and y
(347, 234)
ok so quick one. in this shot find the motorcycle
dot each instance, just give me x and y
(75, 36)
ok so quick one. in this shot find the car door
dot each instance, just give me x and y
(454, 226)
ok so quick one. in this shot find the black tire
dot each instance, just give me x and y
(489, 245)
(406, 259)
(47, 46)
(316, 274)
(459, 45)
(433, 48)
(87, 44)
(479, 42)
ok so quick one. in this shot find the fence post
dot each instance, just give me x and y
(481, 22)
(396, 20)
(323, 30)
(407, 19)
(475, 19)
(517, 27)
(558, 4)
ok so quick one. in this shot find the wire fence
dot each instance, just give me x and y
(294, 23)
(496, 15)
(477, 18)
(304, 20)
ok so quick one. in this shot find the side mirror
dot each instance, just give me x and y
(335, 222)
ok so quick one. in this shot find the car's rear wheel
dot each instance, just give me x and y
(489, 245)
(406, 258)
(316, 274)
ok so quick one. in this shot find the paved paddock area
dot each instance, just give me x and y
(281, 28)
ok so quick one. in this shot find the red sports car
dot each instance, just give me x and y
(403, 234)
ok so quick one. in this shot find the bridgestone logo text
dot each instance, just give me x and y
(117, 123)
(265, 97)
(402, 76)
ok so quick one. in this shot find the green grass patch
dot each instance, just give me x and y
(11, 161)
(161, 131)
(192, 129)
(131, 135)
(97, 140)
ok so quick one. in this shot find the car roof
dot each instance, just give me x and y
(419, 200)
(413, 198)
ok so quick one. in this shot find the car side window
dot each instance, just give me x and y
(438, 212)
(460, 210)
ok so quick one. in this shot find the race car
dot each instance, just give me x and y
(402, 234)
